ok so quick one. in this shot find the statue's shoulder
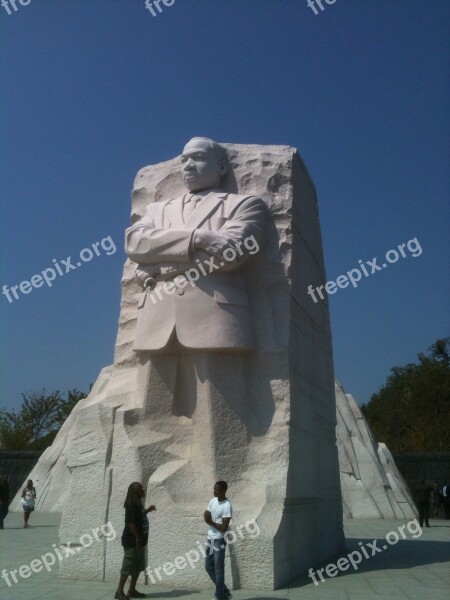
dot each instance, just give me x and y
(239, 200)
(158, 206)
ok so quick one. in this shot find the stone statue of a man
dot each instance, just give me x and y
(194, 323)
(204, 231)
(231, 376)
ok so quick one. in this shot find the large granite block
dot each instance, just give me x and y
(264, 421)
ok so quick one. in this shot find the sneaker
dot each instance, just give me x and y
(136, 594)
(120, 595)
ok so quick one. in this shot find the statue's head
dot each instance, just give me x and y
(204, 164)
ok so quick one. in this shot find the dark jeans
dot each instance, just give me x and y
(446, 503)
(424, 513)
(215, 566)
(3, 513)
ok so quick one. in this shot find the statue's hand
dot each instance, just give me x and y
(143, 272)
(214, 242)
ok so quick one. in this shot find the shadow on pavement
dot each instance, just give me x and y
(172, 594)
(179, 593)
(403, 555)
(30, 527)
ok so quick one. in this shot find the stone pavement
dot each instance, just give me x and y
(412, 569)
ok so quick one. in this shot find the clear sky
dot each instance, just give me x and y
(92, 90)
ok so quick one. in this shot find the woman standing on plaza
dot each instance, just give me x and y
(28, 501)
(134, 541)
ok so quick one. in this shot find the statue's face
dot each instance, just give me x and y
(201, 166)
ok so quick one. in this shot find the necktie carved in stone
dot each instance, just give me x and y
(189, 206)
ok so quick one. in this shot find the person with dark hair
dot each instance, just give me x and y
(423, 502)
(436, 496)
(134, 540)
(4, 498)
(28, 502)
(446, 499)
(218, 517)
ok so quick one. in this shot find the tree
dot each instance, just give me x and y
(73, 397)
(411, 412)
(41, 413)
(40, 417)
(14, 432)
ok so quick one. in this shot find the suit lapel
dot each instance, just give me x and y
(204, 209)
(173, 211)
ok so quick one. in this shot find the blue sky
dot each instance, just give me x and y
(92, 90)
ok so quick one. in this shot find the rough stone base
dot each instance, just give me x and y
(372, 486)
(283, 474)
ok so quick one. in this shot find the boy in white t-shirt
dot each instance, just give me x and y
(218, 517)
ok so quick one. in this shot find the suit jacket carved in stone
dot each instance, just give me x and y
(213, 313)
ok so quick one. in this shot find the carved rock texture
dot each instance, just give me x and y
(372, 486)
(288, 478)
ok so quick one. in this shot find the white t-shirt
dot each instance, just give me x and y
(29, 497)
(219, 510)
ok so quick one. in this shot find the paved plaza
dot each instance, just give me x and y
(412, 569)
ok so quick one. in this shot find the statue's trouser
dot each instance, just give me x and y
(208, 388)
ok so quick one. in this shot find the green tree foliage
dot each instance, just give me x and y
(14, 433)
(73, 397)
(411, 412)
(38, 421)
